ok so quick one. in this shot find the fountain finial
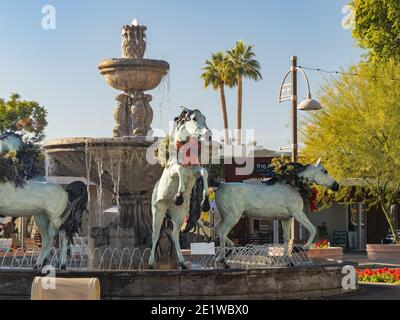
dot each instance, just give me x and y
(133, 40)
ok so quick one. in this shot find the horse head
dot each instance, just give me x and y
(191, 124)
(318, 174)
(10, 141)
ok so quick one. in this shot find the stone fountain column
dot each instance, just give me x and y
(120, 178)
(133, 113)
(134, 75)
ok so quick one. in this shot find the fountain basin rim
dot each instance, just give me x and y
(109, 65)
(133, 75)
(82, 142)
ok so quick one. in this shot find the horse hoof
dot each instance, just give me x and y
(179, 200)
(183, 266)
(206, 206)
(151, 267)
(63, 267)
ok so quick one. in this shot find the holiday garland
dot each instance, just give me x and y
(283, 171)
(19, 166)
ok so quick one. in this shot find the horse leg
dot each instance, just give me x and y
(181, 188)
(223, 230)
(158, 218)
(303, 220)
(63, 249)
(178, 217)
(217, 227)
(43, 224)
(205, 203)
(286, 226)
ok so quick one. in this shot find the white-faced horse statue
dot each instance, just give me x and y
(278, 201)
(172, 193)
(57, 210)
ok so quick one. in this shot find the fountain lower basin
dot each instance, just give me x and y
(283, 283)
(123, 180)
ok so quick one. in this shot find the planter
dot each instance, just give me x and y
(335, 253)
(383, 251)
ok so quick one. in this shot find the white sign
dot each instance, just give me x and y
(286, 93)
(203, 248)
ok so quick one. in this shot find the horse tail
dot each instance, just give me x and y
(77, 198)
(195, 205)
(196, 200)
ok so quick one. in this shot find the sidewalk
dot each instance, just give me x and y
(370, 292)
(362, 260)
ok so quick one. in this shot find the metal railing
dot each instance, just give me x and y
(81, 258)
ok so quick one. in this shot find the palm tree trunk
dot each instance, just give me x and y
(224, 113)
(239, 111)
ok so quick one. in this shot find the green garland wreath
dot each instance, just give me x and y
(19, 166)
(284, 171)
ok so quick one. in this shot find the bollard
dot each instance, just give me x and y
(50, 288)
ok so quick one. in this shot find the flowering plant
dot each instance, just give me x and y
(384, 275)
(322, 244)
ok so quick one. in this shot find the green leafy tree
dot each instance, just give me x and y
(357, 135)
(377, 28)
(19, 115)
(242, 62)
(216, 74)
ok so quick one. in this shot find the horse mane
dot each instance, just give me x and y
(164, 149)
(9, 134)
(288, 173)
(184, 115)
(287, 169)
(18, 165)
(298, 167)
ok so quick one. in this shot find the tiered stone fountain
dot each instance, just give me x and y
(117, 166)
(121, 180)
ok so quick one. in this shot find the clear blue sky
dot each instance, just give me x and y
(59, 68)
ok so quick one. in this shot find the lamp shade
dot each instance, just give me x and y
(309, 105)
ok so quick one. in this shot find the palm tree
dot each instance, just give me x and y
(217, 75)
(241, 60)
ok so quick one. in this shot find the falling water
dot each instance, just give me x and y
(99, 211)
(49, 165)
(163, 95)
(88, 166)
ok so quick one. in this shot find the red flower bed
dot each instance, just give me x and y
(322, 244)
(384, 275)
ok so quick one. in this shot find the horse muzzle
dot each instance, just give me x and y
(206, 134)
(335, 187)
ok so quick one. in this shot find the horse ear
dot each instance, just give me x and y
(184, 109)
(318, 162)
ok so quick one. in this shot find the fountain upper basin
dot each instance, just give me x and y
(133, 74)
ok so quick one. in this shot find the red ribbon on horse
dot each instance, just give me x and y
(191, 150)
